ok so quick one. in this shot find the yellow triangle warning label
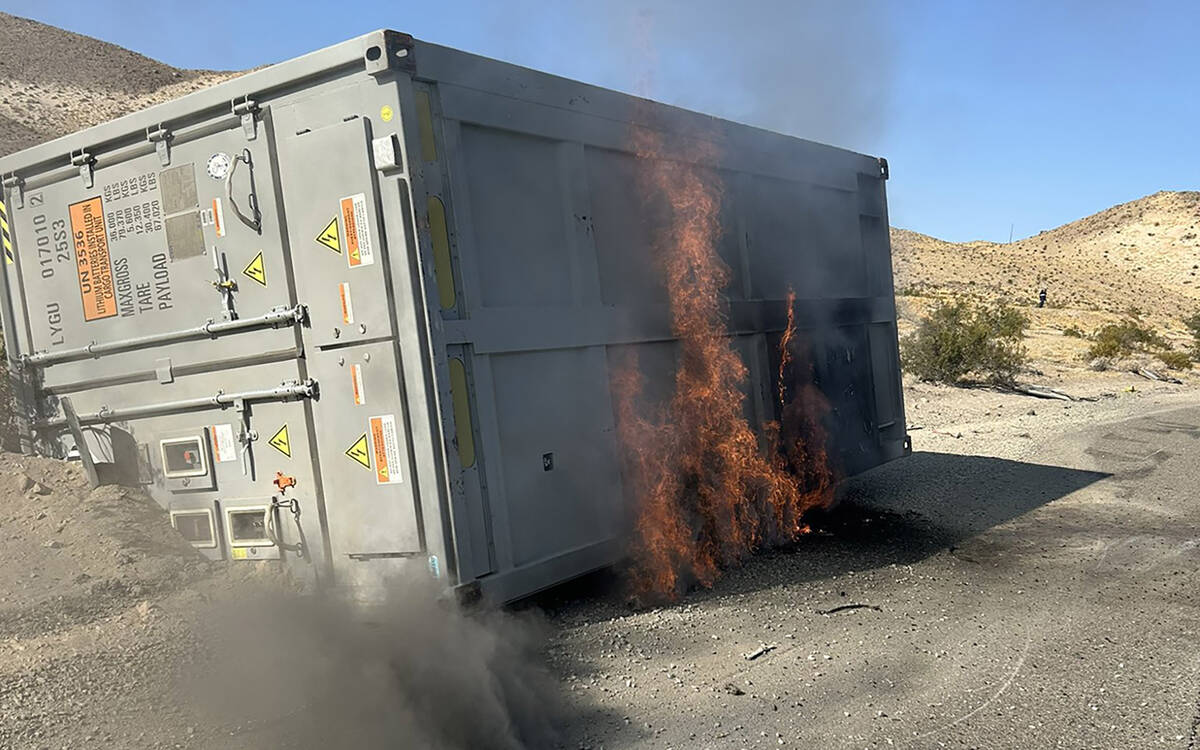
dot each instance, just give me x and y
(256, 270)
(329, 236)
(281, 443)
(359, 451)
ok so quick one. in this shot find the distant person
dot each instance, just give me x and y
(1042, 298)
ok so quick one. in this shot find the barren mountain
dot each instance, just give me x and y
(1143, 254)
(54, 82)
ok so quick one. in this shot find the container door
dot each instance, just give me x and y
(361, 419)
(133, 257)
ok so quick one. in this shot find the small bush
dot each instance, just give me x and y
(1125, 338)
(1193, 326)
(1175, 360)
(960, 339)
(1073, 332)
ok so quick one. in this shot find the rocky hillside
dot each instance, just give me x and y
(1143, 254)
(54, 82)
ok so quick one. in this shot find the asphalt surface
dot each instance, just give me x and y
(1047, 602)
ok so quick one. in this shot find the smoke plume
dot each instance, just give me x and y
(816, 69)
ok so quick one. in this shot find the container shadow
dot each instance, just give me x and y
(898, 513)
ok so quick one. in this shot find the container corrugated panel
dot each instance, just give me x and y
(359, 310)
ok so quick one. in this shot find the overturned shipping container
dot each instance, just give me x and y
(358, 311)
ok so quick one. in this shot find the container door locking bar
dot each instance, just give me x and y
(274, 319)
(288, 391)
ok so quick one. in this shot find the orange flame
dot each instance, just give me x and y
(707, 496)
(785, 346)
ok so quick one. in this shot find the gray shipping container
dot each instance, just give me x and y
(358, 311)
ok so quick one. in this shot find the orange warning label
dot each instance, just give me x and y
(347, 302)
(218, 217)
(357, 241)
(385, 446)
(223, 446)
(356, 382)
(92, 261)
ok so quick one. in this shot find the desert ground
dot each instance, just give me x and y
(1028, 577)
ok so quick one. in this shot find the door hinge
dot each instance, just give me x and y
(246, 108)
(16, 188)
(161, 138)
(85, 162)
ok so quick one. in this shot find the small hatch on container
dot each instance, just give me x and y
(184, 457)
(247, 527)
(246, 531)
(196, 526)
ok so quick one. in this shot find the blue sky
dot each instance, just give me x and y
(991, 114)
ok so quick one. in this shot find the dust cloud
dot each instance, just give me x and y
(291, 670)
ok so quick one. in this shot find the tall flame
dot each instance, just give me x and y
(707, 494)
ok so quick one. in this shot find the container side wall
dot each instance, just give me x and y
(556, 278)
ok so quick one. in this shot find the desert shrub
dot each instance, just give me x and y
(961, 339)
(1176, 360)
(1193, 326)
(1124, 338)
(1073, 332)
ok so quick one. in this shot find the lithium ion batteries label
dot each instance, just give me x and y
(385, 447)
(224, 449)
(357, 239)
(92, 261)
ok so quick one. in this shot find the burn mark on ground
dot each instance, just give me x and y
(901, 513)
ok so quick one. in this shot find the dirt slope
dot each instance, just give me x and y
(1144, 254)
(81, 571)
(54, 82)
